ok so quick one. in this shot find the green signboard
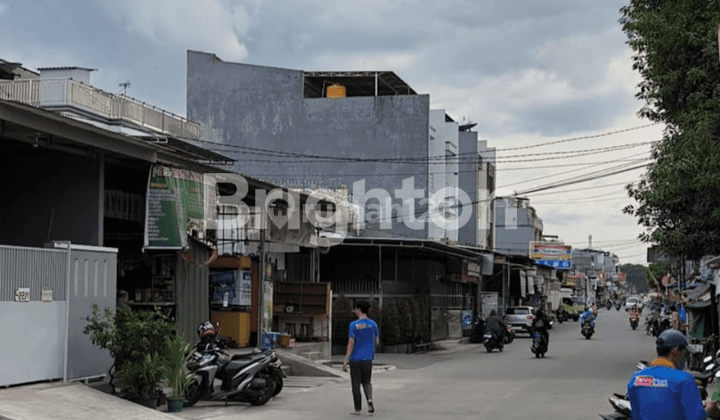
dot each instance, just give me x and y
(174, 207)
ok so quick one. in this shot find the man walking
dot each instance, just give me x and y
(363, 339)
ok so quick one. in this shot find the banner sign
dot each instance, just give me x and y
(174, 207)
(551, 254)
(235, 283)
(555, 264)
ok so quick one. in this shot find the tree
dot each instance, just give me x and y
(676, 53)
(636, 276)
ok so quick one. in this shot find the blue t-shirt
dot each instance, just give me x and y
(661, 392)
(363, 331)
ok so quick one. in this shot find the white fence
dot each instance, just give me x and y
(45, 296)
(65, 92)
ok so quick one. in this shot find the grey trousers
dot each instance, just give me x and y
(360, 374)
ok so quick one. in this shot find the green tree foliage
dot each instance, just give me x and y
(655, 273)
(636, 276)
(676, 53)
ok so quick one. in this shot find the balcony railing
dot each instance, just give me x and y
(68, 94)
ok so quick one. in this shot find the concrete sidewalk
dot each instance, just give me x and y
(77, 401)
(70, 401)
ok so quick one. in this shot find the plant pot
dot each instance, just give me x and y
(146, 402)
(175, 405)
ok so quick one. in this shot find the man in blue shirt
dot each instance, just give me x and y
(663, 390)
(363, 339)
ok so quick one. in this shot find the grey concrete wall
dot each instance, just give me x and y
(513, 235)
(39, 185)
(468, 182)
(263, 107)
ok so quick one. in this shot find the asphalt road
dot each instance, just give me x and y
(573, 381)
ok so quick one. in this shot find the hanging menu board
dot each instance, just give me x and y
(174, 207)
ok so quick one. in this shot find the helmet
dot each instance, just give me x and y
(205, 329)
(671, 338)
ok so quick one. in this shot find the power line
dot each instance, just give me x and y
(579, 138)
(562, 184)
(463, 172)
(355, 160)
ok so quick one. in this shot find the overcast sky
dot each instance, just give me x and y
(526, 71)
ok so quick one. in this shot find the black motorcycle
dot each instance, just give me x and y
(539, 346)
(492, 341)
(587, 331)
(252, 378)
(618, 305)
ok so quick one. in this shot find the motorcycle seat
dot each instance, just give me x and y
(247, 357)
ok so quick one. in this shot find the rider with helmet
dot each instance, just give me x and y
(540, 324)
(588, 316)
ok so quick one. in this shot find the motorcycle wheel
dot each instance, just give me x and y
(276, 376)
(266, 393)
(537, 355)
(634, 326)
(488, 349)
(192, 394)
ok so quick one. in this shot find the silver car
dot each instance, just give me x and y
(520, 317)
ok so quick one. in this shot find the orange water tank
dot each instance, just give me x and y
(335, 91)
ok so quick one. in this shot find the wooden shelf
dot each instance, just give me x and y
(309, 299)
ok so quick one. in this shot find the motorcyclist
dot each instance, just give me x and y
(496, 326)
(540, 324)
(588, 316)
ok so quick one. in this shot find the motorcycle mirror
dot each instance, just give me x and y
(710, 367)
(707, 359)
(717, 354)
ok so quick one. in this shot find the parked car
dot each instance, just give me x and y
(520, 317)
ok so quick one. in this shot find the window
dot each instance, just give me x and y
(518, 311)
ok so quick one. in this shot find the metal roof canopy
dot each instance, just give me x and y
(426, 244)
(187, 149)
(356, 83)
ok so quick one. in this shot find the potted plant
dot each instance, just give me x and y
(177, 353)
(142, 379)
(133, 340)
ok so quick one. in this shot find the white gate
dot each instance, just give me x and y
(38, 343)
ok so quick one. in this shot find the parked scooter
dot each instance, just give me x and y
(252, 378)
(618, 305)
(609, 304)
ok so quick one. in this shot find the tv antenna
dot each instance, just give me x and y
(125, 85)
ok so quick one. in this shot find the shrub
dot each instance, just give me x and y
(136, 341)
(342, 317)
(406, 322)
(390, 331)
